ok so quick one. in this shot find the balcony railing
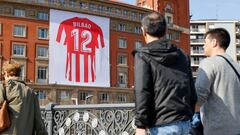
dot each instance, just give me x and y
(197, 30)
(92, 119)
(197, 52)
(197, 40)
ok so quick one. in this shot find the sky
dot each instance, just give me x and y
(211, 9)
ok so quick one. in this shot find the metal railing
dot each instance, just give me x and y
(92, 119)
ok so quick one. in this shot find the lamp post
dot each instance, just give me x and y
(88, 97)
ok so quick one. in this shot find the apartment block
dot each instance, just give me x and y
(198, 28)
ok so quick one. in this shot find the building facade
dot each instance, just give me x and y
(177, 16)
(24, 37)
(197, 30)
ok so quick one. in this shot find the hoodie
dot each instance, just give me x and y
(164, 87)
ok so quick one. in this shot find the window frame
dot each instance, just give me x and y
(121, 27)
(24, 34)
(122, 43)
(37, 51)
(41, 79)
(19, 44)
(43, 15)
(104, 97)
(122, 79)
(45, 34)
(20, 13)
(122, 59)
(122, 97)
(22, 73)
(138, 43)
(64, 95)
(41, 94)
(137, 29)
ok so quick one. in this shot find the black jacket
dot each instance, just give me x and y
(164, 87)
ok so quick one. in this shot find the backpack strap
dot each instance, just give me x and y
(231, 66)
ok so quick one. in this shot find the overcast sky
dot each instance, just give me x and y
(212, 9)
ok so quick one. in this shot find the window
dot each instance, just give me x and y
(84, 5)
(73, 3)
(122, 80)
(104, 97)
(122, 43)
(118, 11)
(42, 74)
(41, 94)
(0, 29)
(121, 27)
(92, 6)
(109, 9)
(138, 44)
(196, 60)
(125, 12)
(42, 52)
(83, 95)
(19, 30)
(122, 98)
(64, 95)
(194, 28)
(169, 36)
(134, 15)
(169, 20)
(137, 29)
(101, 8)
(168, 8)
(211, 26)
(43, 33)
(193, 37)
(197, 50)
(22, 73)
(122, 59)
(18, 50)
(19, 12)
(43, 15)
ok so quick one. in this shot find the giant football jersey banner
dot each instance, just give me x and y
(78, 49)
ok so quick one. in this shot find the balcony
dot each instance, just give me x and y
(197, 41)
(92, 119)
(195, 63)
(197, 52)
(194, 74)
(195, 31)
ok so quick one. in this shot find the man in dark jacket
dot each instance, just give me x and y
(164, 88)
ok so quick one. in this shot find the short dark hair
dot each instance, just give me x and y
(221, 35)
(154, 24)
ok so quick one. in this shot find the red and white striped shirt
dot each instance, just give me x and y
(82, 37)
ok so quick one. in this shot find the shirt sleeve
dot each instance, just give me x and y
(143, 92)
(204, 80)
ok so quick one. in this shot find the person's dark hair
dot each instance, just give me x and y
(221, 35)
(154, 24)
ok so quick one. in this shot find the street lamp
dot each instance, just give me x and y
(88, 97)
